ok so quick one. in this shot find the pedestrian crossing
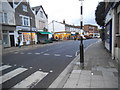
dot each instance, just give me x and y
(4, 67)
(29, 82)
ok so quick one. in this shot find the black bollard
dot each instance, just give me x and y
(81, 53)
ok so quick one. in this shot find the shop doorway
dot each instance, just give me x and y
(12, 41)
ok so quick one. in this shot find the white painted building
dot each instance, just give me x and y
(63, 28)
(55, 26)
(7, 19)
(41, 21)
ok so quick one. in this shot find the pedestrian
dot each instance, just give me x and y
(19, 42)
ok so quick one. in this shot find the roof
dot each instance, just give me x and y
(37, 8)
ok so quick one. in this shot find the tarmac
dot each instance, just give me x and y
(100, 71)
(26, 47)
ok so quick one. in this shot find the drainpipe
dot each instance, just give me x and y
(113, 33)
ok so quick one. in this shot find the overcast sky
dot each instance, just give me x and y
(69, 10)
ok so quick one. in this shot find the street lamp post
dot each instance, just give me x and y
(81, 40)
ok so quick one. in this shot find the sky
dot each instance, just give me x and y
(68, 10)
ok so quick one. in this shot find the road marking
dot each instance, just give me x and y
(46, 54)
(31, 67)
(11, 74)
(29, 53)
(51, 70)
(40, 69)
(15, 65)
(15, 52)
(4, 67)
(32, 80)
(22, 53)
(37, 53)
(68, 55)
(77, 52)
(56, 54)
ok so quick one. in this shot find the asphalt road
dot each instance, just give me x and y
(38, 68)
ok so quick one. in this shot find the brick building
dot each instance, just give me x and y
(91, 29)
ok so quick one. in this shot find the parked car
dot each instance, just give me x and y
(88, 37)
(52, 39)
(46, 41)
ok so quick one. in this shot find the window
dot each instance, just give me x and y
(24, 8)
(1, 17)
(4, 17)
(41, 14)
(25, 21)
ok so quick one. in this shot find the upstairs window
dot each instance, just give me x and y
(25, 20)
(41, 14)
(24, 8)
(4, 18)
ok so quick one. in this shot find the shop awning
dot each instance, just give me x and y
(45, 32)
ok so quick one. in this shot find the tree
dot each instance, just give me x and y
(100, 17)
(99, 14)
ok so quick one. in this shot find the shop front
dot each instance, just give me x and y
(42, 36)
(8, 36)
(108, 36)
(29, 38)
(62, 35)
(27, 35)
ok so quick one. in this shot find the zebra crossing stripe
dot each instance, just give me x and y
(32, 80)
(11, 74)
(4, 67)
(68, 55)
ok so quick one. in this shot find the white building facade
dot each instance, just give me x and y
(41, 21)
(7, 19)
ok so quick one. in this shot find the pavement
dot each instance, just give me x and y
(100, 71)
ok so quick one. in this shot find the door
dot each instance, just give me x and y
(12, 41)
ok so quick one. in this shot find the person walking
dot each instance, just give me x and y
(19, 42)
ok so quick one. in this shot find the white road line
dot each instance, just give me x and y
(22, 53)
(51, 70)
(46, 54)
(11, 74)
(4, 67)
(15, 52)
(76, 53)
(56, 54)
(37, 53)
(29, 53)
(68, 55)
(32, 80)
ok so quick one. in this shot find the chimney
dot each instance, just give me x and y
(64, 21)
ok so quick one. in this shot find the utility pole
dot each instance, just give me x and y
(81, 39)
